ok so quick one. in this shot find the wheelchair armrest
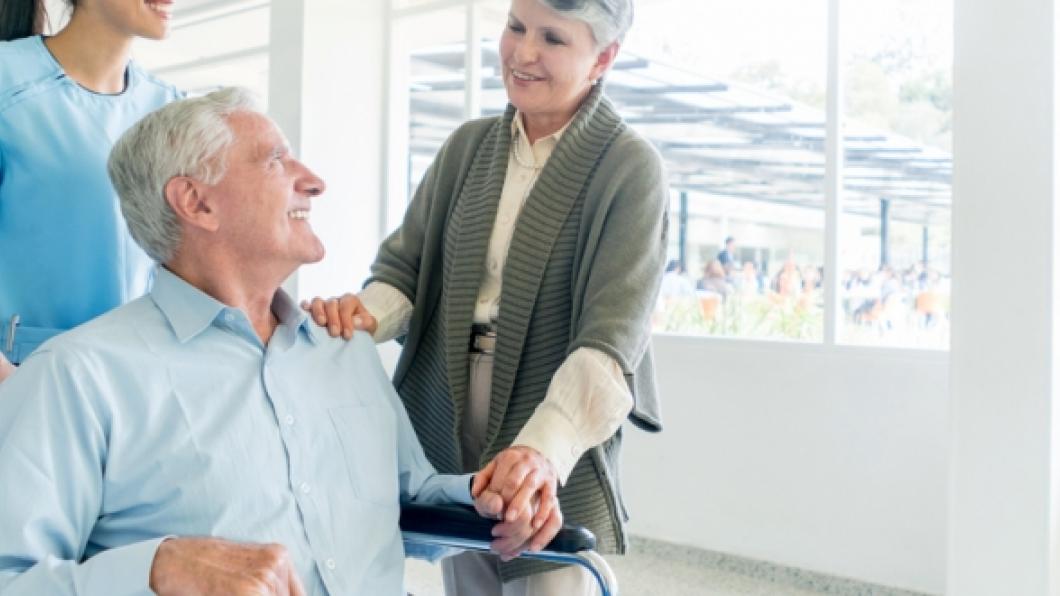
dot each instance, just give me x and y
(459, 521)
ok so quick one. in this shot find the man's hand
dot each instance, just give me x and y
(344, 315)
(215, 567)
(6, 368)
(523, 479)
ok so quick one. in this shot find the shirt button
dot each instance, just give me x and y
(289, 420)
(305, 488)
(484, 301)
(229, 317)
(494, 265)
(330, 563)
(574, 451)
(505, 219)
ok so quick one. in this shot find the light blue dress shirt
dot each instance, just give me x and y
(167, 416)
(65, 253)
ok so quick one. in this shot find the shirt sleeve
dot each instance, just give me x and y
(585, 404)
(53, 441)
(391, 309)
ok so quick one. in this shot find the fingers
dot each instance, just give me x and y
(547, 501)
(331, 308)
(489, 505)
(521, 501)
(216, 566)
(348, 305)
(341, 316)
(295, 585)
(512, 537)
(509, 476)
(354, 316)
(483, 478)
(316, 310)
(548, 531)
(275, 570)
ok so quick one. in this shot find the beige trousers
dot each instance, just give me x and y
(478, 574)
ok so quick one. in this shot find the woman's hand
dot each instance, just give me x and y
(342, 315)
(524, 480)
(6, 368)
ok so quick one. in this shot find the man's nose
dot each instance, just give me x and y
(309, 183)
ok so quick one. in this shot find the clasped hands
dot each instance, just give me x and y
(518, 487)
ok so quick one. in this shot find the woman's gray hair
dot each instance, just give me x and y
(188, 137)
(608, 19)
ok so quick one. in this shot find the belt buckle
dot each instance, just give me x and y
(483, 341)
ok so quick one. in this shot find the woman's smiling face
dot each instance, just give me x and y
(549, 62)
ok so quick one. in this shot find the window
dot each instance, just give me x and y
(201, 53)
(895, 230)
(735, 97)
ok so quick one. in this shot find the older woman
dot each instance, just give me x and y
(522, 279)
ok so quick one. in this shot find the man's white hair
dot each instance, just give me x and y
(188, 137)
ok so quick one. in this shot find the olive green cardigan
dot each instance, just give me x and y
(583, 270)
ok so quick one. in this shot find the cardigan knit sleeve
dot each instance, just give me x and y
(618, 281)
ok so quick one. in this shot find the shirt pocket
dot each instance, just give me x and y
(367, 434)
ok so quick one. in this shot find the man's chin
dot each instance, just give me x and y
(316, 257)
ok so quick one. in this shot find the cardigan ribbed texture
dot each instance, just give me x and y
(583, 270)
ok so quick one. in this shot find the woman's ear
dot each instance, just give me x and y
(189, 201)
(604, 60)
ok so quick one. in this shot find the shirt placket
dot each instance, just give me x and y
(301, 481)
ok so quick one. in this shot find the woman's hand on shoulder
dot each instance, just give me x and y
(342, 315)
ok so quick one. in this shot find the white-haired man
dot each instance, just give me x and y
(206, 438)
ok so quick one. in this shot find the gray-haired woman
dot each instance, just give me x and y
(522, 280)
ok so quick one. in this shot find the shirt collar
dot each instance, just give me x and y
(190, 311)
(539, 152)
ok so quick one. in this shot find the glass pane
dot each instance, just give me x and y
(430, 48)
(732, 94)
(202, 53)
(894, 237)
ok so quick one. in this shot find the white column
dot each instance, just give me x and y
(833, 178)
(473, 63)
(326, 90)
(1002, 502)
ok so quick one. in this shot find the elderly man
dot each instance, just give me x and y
(205, 438)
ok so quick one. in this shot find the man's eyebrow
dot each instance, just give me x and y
(268, 151)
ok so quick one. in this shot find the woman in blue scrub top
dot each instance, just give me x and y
(65, 253)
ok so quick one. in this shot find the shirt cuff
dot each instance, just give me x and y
(122, 571)
(551, 433)
(392, 310)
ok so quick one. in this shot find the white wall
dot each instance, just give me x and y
(1003, 507)
(828, 459)
(326, 92)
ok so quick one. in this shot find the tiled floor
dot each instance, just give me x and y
(661, 569)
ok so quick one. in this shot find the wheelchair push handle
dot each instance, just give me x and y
(458, 521)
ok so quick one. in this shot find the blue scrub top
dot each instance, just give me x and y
(66, 255)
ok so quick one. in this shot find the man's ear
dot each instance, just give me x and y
(604, 60)
(187, 197)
